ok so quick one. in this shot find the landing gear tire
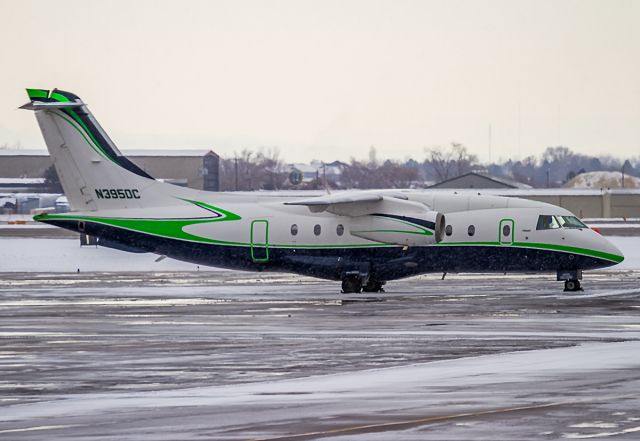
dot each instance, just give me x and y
(572, 285)
(373, 286)
(351, 284)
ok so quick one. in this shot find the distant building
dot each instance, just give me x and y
(479, 180)
(19, 163)
(24, 203)
(62, 205)
(193, 168)
(331, 171)
(22, 185)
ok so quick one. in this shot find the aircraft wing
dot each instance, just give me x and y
(360, 203)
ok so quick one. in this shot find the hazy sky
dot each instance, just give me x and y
(328, 79)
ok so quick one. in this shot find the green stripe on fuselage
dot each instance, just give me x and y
(574, 250)
(173, 229)
(544, 246)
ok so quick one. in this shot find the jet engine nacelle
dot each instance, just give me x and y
(413, 229)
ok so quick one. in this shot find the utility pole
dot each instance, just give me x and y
(547, 177)
(324, 174)
(623, 174)
(490, 141)
(558, 126)
(236, 170)
(519, 127)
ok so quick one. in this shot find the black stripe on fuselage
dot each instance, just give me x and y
(383, 263)
(425, 223)
(121, 160)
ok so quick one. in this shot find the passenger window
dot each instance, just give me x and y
(471, 231)
(448, 230)
(294, 230)
(546, 222)
(506, 230)
(317, 229)
(340, 230)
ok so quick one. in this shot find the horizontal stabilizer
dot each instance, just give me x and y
(40, 105)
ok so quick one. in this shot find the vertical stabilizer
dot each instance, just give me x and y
(93, 172)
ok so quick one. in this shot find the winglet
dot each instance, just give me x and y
(44, 98)
(35, 94)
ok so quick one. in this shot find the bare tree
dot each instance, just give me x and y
(389, 174)
(452, 162)
(249, 170)
(51, 180)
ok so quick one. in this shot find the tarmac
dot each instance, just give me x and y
(233, 356)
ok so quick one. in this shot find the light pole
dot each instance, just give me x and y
(236, 171)
(547, 177)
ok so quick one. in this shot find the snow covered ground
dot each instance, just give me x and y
(66, 255)
(630, 247)
(378, 393)
(86, 358)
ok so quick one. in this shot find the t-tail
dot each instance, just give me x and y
(93, 172)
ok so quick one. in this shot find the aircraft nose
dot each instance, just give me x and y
(610, 251)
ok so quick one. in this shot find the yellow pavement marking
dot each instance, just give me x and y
(404, 424)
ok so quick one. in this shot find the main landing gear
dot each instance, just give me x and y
(572, 285)
(373, 286)
(351, 284)
(571, 280)
(355, 283)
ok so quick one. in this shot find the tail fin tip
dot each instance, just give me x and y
(36, 94)
(45, 98)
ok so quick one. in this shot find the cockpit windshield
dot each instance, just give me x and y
(549, 222)
(570, 222)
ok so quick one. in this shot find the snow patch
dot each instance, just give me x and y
(603, 179)
(600, 434)
(66, 255)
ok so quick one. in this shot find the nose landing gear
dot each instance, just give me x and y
(572, 285)
(571, 280)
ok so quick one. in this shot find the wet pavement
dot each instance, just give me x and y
(225, 355)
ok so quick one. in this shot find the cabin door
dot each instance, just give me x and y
(506, 232)
(260, 240)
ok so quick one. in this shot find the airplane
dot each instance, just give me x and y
(361, 238)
